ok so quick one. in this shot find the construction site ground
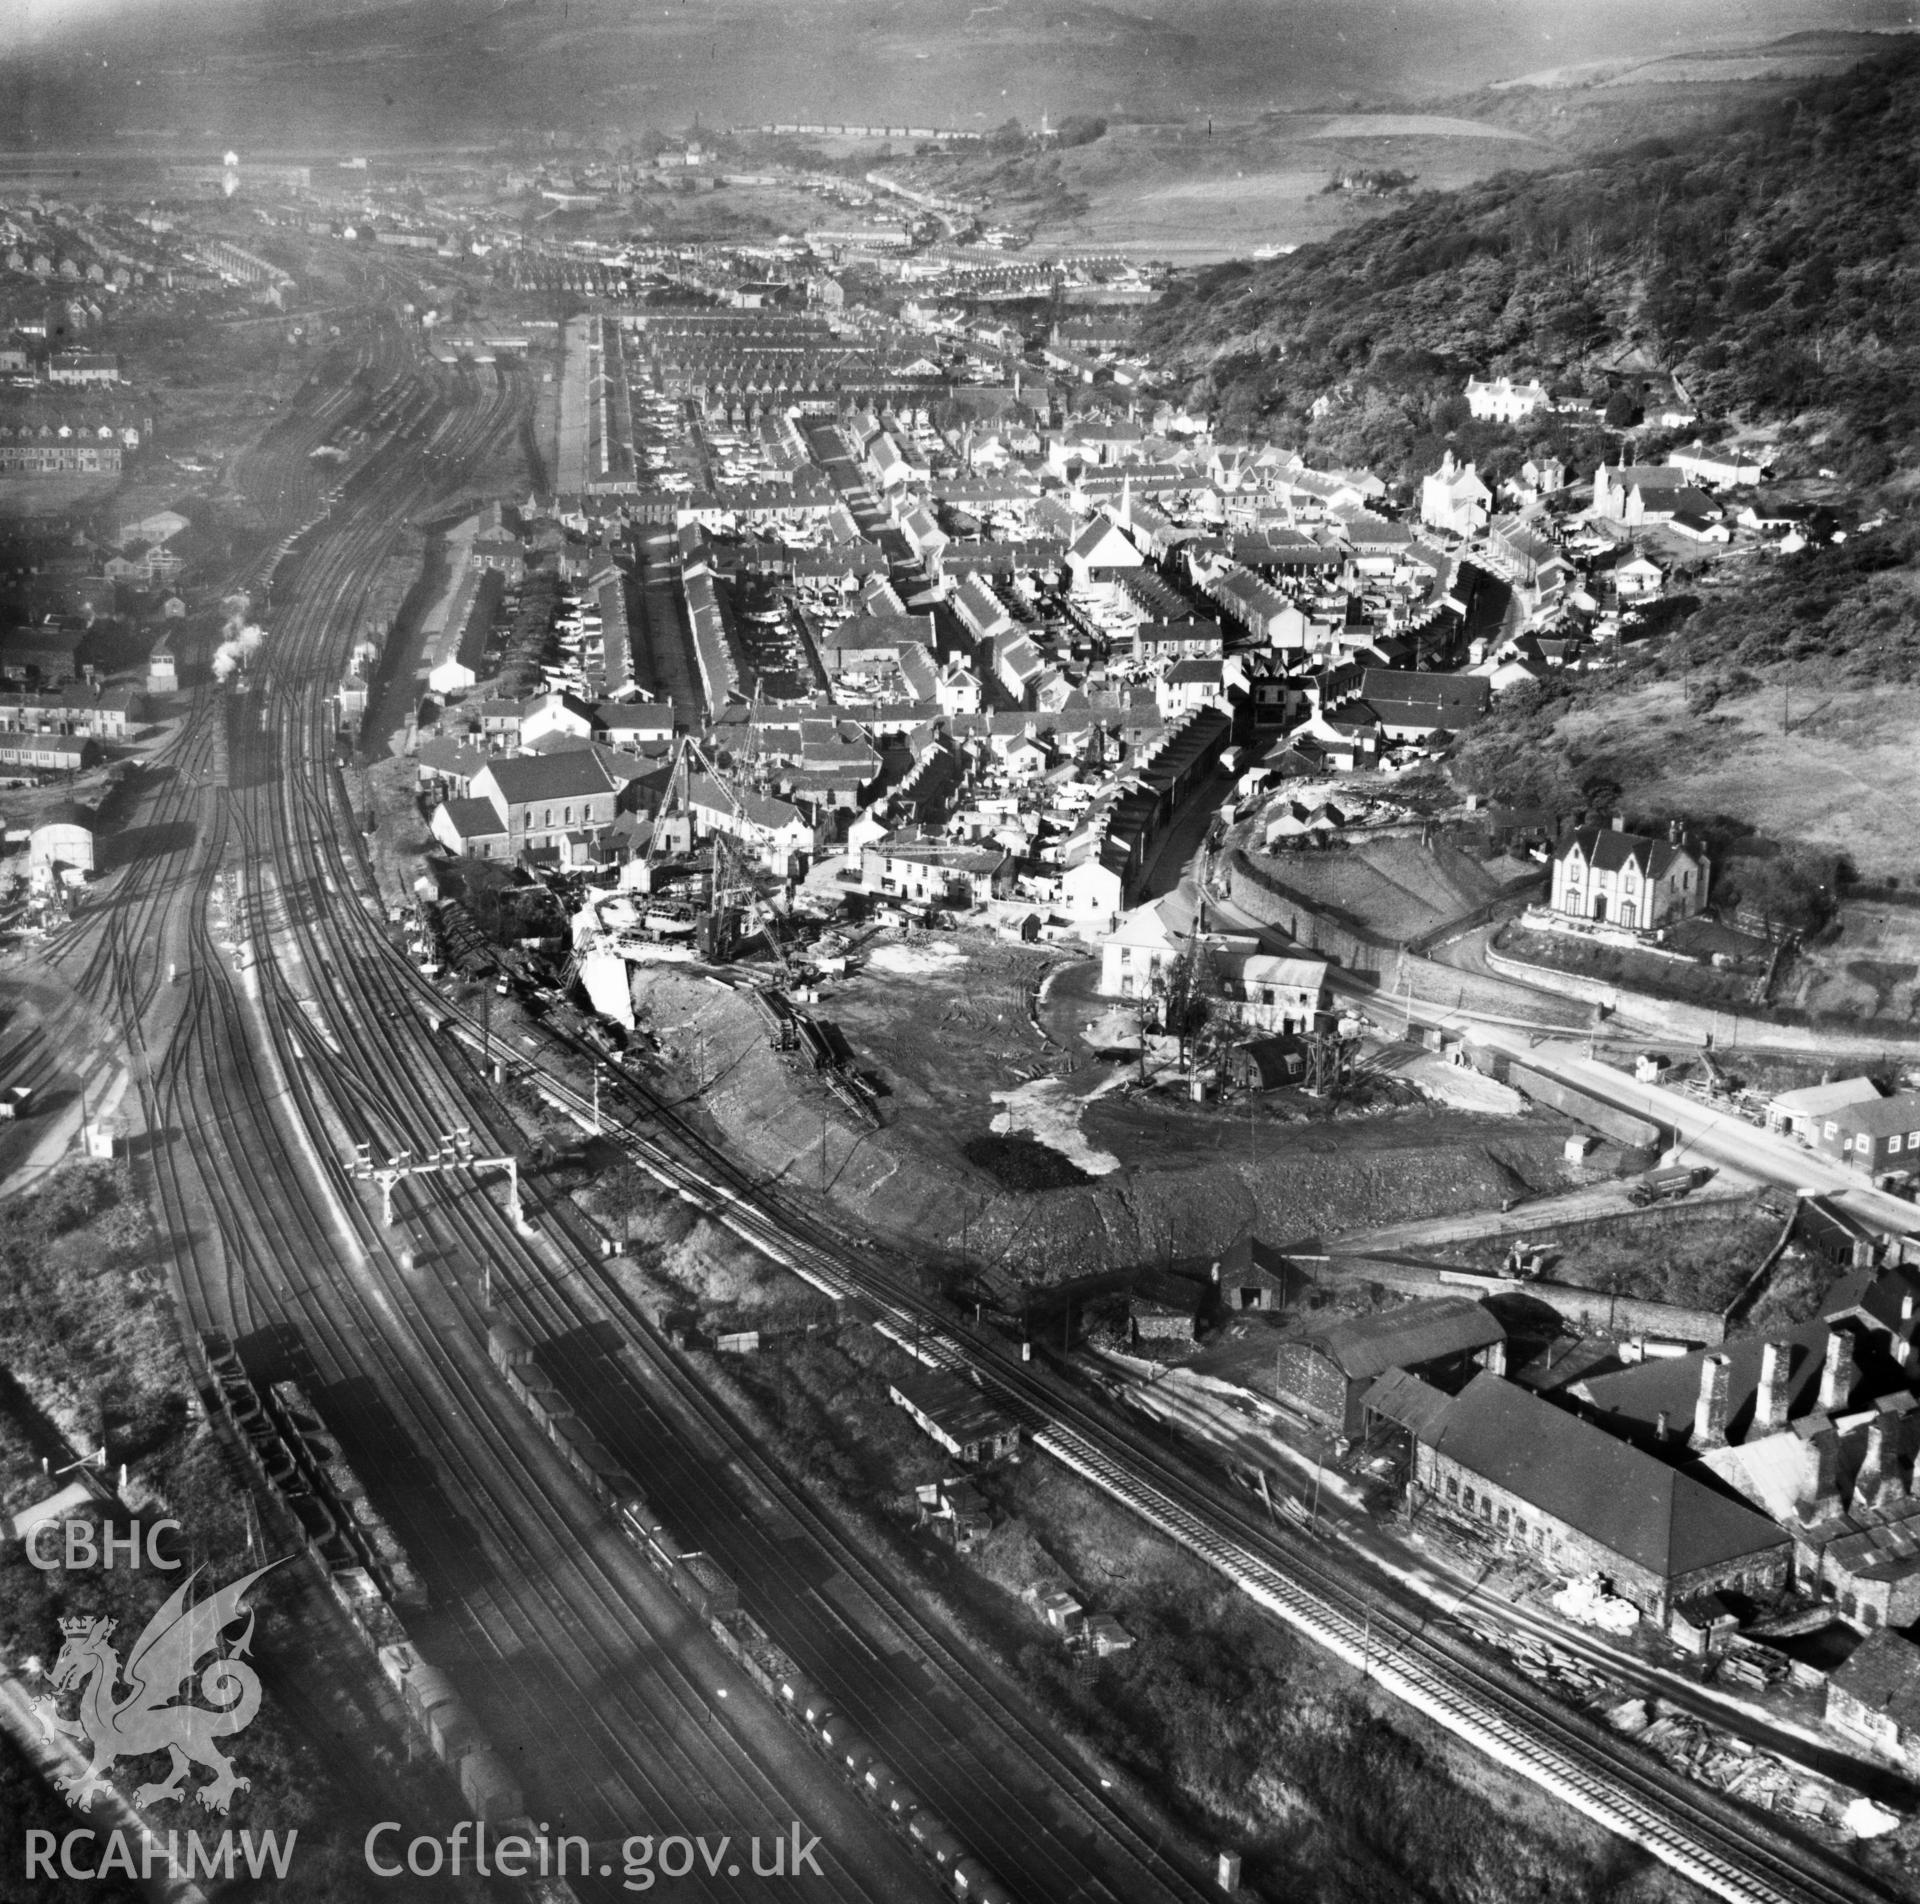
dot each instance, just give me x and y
(1698, 1264)
(939, 1024)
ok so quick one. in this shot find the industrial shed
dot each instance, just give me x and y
(64, 839)
(1531, 1478)
(1326, 1375)
(957, 1416)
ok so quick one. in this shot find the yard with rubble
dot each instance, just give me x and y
(1692, 1260)
(1864, 966)
(988, 1148)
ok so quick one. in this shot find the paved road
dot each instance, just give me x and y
(1173, 858)
(666, 656)
(1704, 1135)
(1708, 1135)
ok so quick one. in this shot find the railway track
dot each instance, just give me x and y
(1709, 1839)
(260, 1248)
(382, 1096)
(572, 1650)
(1715, 1842)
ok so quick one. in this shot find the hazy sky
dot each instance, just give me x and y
(312, 74)
(1622, 26)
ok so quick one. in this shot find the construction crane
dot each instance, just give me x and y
(674, 796)
(732, 871)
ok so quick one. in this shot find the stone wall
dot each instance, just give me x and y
(1674, 1019)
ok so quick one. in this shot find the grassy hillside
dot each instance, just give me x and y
(1772, 263)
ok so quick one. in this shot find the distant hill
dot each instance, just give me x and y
(1772, 263)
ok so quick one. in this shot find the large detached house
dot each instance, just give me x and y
(1633, 493)
(1501, 400)
(1627, 879)
(1454, 498)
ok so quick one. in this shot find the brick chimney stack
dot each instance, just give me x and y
(1710, 1412)
(1770, 1403)
(1821, 1500)
(1874, 1465)
(1836, 1377)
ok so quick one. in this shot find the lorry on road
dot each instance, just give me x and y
(1661, 1186)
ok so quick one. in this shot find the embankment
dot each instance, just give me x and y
(1281, 1183)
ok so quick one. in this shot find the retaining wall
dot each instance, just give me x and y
(1589, 1308)
(1674, 1019)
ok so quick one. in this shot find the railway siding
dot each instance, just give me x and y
(1640, 1804)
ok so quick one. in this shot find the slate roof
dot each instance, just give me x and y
(1264, 968)
(758, 809)
(1883, 1116)
(1618, 1496)
(1625, 476)
(955, 1405)
(1404, 1399)
(1611, 851)
(571, 775)
(1247, 1263)
(869, 630)
(1634, 1398)
(1196, 671)
(474, 819)
(1460, 697)
(1883, 1673)
(446, 755)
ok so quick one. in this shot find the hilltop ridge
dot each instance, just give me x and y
(1771, 263)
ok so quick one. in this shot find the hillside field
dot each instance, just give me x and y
(1841, 780)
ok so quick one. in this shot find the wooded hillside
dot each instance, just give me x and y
(1772, 264)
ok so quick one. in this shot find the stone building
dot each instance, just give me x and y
(1534, 1479)
(1325, 1375)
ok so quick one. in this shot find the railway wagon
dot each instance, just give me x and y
(883, 1787)
(423, 1686)
(598, 1471)
(453, 1731)
(492, 1792)
(634, 1514)
(702, 1584)
(661, 1551)
(804, 1700)
(340, 1486)
(547, 1405)
(360, 1597)
(744, 1639)
(974, 1882)
(935, 1839)
(847, 1745)
(508, 1346)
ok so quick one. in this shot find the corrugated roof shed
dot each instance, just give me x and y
(1403, 1398)
(1415, 1332)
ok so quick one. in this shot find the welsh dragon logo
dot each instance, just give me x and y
(145, 1718)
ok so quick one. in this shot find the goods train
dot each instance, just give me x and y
(695, 1579)
(287, 1442)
